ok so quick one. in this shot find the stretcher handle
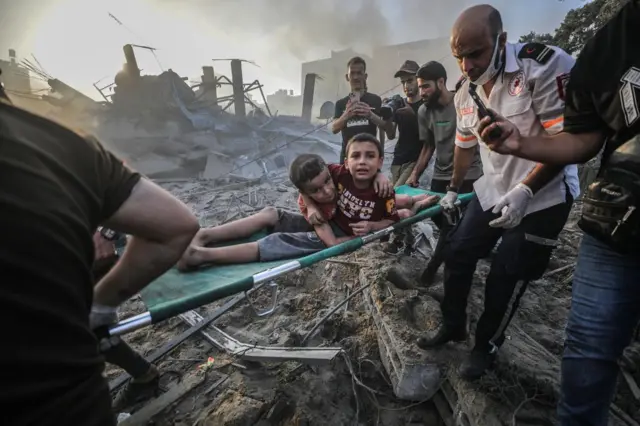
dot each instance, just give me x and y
(274, 300)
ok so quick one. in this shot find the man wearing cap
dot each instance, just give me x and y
(523, 202)
(437, 123)
(405, 121)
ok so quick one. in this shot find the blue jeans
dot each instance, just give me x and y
(605, 308)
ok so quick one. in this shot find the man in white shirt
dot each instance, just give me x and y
(523, 202)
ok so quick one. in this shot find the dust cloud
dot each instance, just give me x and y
(302, 28)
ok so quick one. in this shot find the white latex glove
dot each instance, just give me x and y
(102, 315)
(448, 202)
(513, 207)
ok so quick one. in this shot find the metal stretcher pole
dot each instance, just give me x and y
(144, 319)
(130, 324)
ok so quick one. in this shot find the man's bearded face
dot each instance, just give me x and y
(429, 92)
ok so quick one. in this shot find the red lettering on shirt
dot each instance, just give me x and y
(353, 204)
(356, 205)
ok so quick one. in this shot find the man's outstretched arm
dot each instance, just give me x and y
(561, 149)
(161, 227)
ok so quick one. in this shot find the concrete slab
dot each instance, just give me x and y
(217, 166)
(413, 376)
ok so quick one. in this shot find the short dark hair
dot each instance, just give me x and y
(494, 20)
(305, 168)
(432, 71)
(365, 137)
(357, 60)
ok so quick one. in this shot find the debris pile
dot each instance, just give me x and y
(235, 150)
(375, 330)
(241, 390)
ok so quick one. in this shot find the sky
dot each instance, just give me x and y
(78, 42)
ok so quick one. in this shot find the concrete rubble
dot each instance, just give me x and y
(400, 384)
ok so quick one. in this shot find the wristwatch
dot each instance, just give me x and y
(451, 188)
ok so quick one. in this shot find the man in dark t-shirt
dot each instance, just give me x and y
(56, 187)
(359, 111)
(602, 108)
(405, 120)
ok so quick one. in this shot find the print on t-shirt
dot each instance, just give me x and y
(631, 84)
(357, 209)
(358, 121)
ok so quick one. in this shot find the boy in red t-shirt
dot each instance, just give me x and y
(355, 208)
(291, 235)
(318, 213)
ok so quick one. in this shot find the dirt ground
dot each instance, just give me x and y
(354, 389)
(289, 393)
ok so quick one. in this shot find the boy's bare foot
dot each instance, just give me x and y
(201, 239)
(191, 259)
(423, 204)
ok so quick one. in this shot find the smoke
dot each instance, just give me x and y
(303, 28)
(300, 27)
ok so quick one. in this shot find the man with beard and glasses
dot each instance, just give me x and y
(437, 123)
(524, 202)
(407, 149)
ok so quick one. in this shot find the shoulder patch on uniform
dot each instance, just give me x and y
(539, 52)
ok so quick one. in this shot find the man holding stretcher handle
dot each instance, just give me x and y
(523, 202)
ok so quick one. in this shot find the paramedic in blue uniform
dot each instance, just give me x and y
(56, 187)
(523, 202)
(602, 110)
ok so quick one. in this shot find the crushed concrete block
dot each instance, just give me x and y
(413, 378)
(154, 164)
(217, 166)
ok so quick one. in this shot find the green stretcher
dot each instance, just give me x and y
(175, 292)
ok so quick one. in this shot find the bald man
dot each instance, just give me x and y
(523, 202)
(602, 113)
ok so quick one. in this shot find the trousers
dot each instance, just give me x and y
(522, 256)
(605, 308)
(401, 172)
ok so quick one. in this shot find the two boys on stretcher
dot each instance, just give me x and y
(337, 202)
